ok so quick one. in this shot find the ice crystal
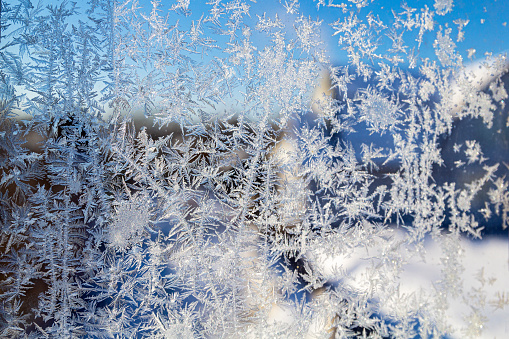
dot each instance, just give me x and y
(131, 218)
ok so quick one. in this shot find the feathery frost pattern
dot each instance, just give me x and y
(208, 169)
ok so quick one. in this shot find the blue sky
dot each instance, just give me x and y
(487, 28)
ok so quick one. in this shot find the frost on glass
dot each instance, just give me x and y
(193, 169)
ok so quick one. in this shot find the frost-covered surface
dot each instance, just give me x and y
(482, 280)
(271, 193)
